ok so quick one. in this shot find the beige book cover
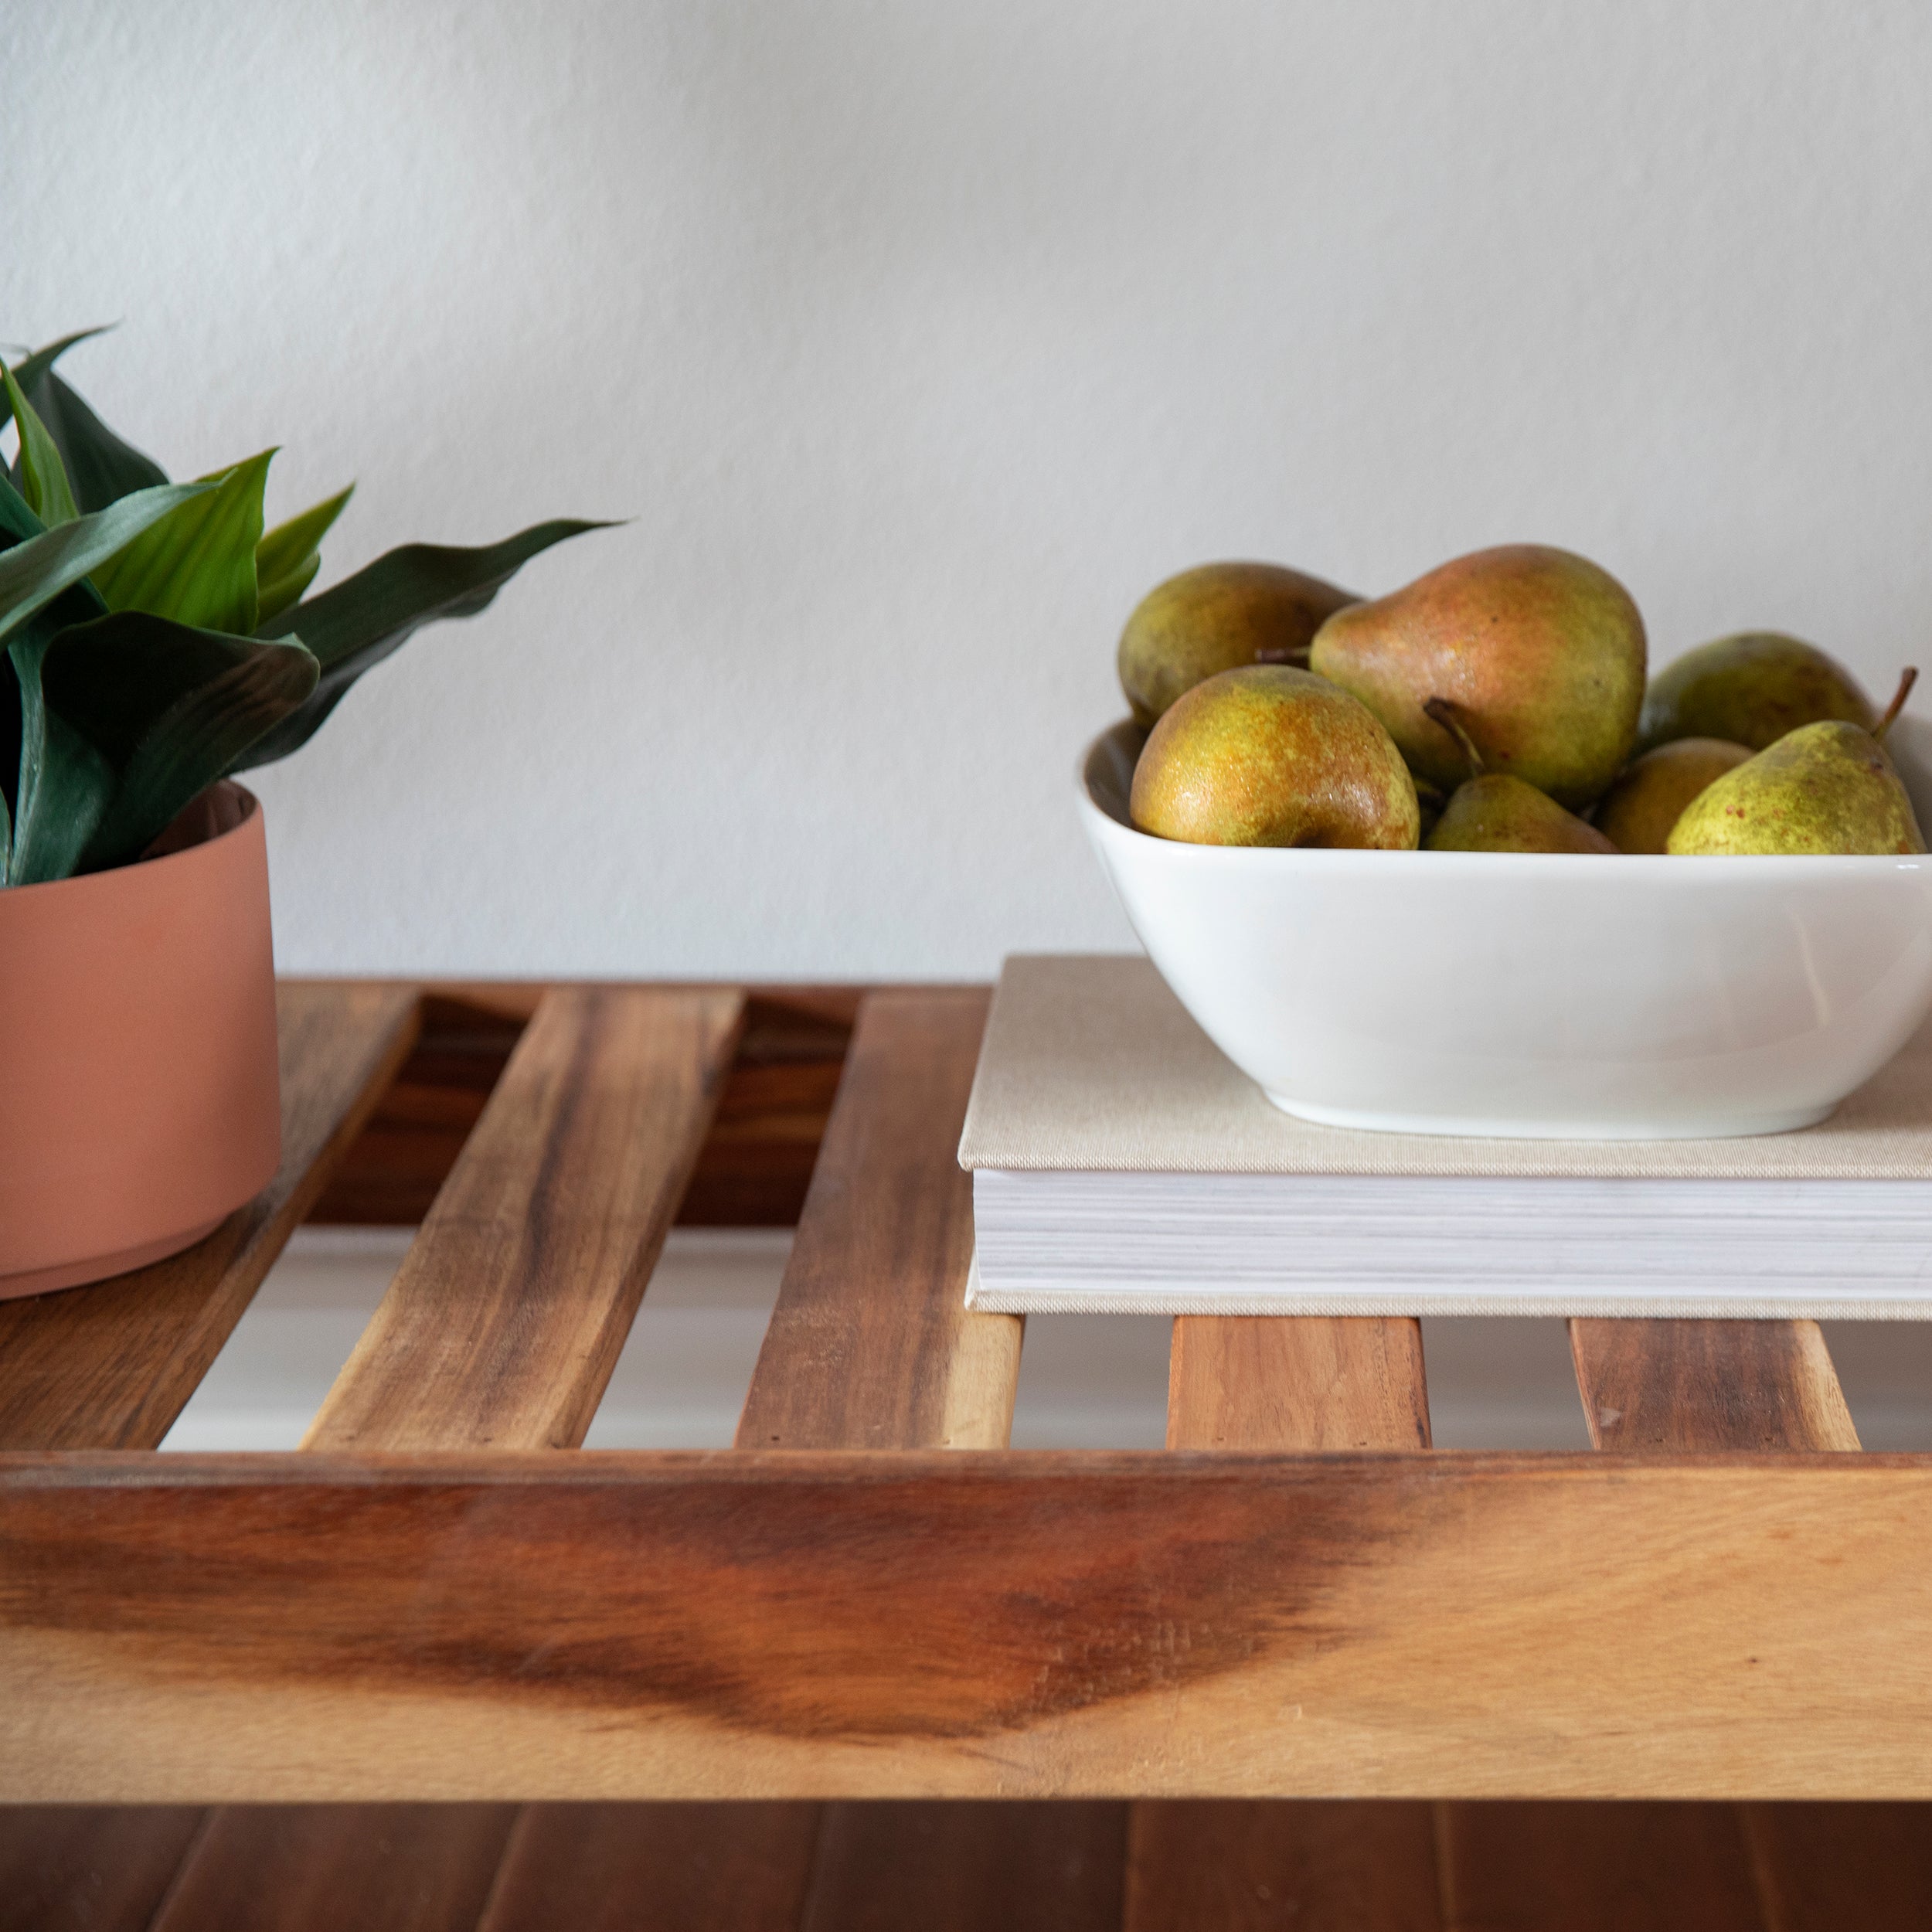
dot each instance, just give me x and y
(1091, 1063)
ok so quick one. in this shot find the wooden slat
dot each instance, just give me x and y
(503, 1323)
(670, 1868)
(340, 1867)
(1598, 1868)
(1709, 1385)
(871, 1345)
(969, 1868)
(1272, 1382)
(1652, 1387)
(933, 1623)
(1352, 1866)
(1843, 1867)
(87, 1868)
(112, 1365)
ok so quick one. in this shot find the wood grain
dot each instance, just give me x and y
(1842, 1868)
(1305, 1867)
(340, 1867)
(969, 1868)
(670, 1868)
(942, 1623)
(113, 1365)
(1709, 1385)
(1287, 1382)
(502, 1325)
(1597, 1867)
(90, 1867)
(1276, 1382)
(871, 1344)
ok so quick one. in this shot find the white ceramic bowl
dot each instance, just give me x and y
(1532, 995)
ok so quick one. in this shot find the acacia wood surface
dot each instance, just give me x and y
(1709, 1385)
(111, 1365)
(670, 1868)
(871, 1344)
(339, 1868)
(1019, 1623)
(90, 1867)
(506, 1318)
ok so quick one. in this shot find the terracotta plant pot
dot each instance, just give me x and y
(139, 1101)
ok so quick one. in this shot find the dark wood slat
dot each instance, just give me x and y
(687, 1625)
(1274, 1382)
(1709, 1385)
(502, 1325)
(340, 1867)
(1597, 1867)
(90, 1867)
(1350, 1865)
(969, 1868)
(670, 1868)
(871, 1344)
(1287, 1382)
(112, 1365)
(1843, 1867)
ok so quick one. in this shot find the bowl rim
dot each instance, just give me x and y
(1765, 868)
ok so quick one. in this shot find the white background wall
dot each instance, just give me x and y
(918, 339)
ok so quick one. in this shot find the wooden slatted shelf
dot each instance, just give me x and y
(1301, 1668)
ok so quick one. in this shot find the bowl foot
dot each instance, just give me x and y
(1708, 1127)
(74, 1274)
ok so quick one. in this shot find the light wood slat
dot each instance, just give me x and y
(1598, 1868)
(969, 1868)
(1005, 1624)
(1287, 1382)
(1653, 1386)
(670, 1868)
(113, 1365)
(871, 1345)
(340, 1867)
(1843, 1867)
(1277, 1382)
(90, 1869)
(1348, 1865)
(502, 1325)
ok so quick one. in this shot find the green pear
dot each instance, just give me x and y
(1638, 811)
(1541, 652)
(1212, 618)
(1492, 811)
(1269, 755)
(1751, 688)
(1828, 787)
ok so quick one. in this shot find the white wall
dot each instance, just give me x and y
(918, 340)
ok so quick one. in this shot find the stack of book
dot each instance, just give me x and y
(1120, 1163)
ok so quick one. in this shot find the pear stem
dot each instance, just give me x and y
(1908, 678)
(1444, 712)
(1293, 654)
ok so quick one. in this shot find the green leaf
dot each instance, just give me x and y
(101, 468)
(64, 782)
(28, 371)
(34, 573)
(197, 565)
(287, 558)
(43, 475)
(358, 622)
(168, 708)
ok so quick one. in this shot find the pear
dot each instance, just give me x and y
(1827, 787)
(1492, 811)
(1752, 689)
(1212, 618)
(1638, 811)
(1541, 652)
(1269, 755)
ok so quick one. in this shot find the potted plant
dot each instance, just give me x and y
(156, 639)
